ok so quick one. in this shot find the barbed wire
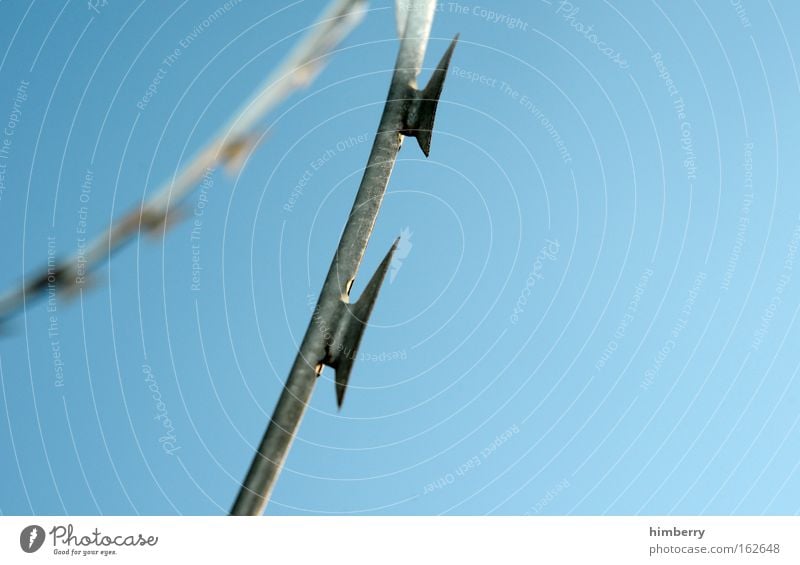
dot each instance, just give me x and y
(229, 147)
(337, 325)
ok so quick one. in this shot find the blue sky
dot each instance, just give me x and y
(594, 312)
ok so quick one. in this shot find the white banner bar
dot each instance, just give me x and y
(401, 540)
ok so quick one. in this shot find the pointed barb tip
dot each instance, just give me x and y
(352, 324)
(422, 111)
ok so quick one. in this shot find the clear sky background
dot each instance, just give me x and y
(595, 311)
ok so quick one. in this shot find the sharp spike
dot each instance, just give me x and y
(428, 100)
(354, 322)
(341, 387)
(366, 301)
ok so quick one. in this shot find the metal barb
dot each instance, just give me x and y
(422, 111)
(343, 348)
(336, 327)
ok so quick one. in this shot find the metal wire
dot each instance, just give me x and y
(336, 327)
(229, 147)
